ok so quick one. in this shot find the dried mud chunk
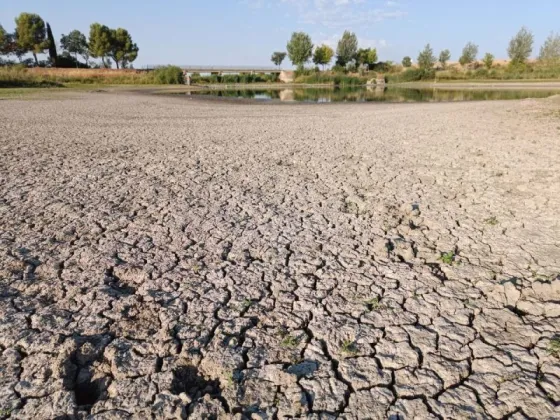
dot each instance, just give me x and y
(410, 409)
(363, 372)
(130, 359)
(60, 404)
(371, 404)
(417, 382)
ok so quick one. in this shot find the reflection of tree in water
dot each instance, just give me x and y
(376, 94)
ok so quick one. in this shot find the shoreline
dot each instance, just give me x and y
(16, 92)
(480, 84)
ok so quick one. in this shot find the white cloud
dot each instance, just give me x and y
(351, 14)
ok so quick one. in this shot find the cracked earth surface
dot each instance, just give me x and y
(164, 258)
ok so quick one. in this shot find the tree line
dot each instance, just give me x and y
(519, 51)
(300, 50)
(32, 35)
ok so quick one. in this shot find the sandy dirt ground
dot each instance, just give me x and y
(164, 258)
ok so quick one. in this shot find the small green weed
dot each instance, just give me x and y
(6, 411)
(373, 304)
(554, 347)
(447, 258)
(349, 347)
(246, 304)
(229, 379)
(282, 331)
(492, 221)
(290, 341)
(351, 208)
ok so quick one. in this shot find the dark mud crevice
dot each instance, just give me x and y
(88, 392)
(187, 379)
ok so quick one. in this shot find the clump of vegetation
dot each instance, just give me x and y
(373, 304)
(351, 207)
(554, 347)
(349, 347)
(492, 221)
(169, 75)
(246, 304)
(412, 75)
(488, 61)
(229, 379)
(448, 257)
(6, 411)
(290, 341)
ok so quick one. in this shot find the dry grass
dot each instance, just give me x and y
(44, 77)
(56, 72)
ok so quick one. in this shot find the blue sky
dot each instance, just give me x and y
(245, 32)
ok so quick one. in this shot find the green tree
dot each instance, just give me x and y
(366, 56)
(444, 57)
(469, 54)
(521, 46)
(52, 46)
(99, 41)
(407, 62)
(11, 46)
(3, 37)
(30, 34)
(488, 60)
(122, 50)
(75, 43)
(426, 58)
(300, 49)
(550, 51)
(323, 55)
(347, 48)
(277, 58)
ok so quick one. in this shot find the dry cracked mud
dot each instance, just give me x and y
(165, 258)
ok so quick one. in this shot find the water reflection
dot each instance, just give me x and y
(373, 94)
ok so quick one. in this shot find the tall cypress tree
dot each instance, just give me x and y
(52, 46)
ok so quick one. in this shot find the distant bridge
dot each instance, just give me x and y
(225, 69)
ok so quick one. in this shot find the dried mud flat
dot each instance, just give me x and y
(163, 258)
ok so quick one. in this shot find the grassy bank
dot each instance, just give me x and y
(16, 77)
(506, 73)
(20, 77)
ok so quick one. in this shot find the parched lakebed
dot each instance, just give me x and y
(162, 258)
